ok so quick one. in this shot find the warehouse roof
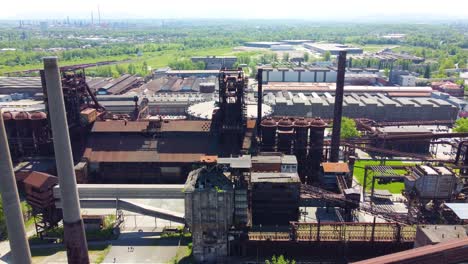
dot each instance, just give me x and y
(460, 209)
(335, 167)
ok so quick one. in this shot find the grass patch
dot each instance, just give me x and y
(97, 253)
(394, 187)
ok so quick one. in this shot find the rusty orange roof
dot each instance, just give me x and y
(39, 179)
(186, 126)
(120, 126)
(339, 167)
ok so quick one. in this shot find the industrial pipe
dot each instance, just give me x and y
(74, 233)
(259, 98)
(11, 205)
(338, 111)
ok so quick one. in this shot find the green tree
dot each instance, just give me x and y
(348, 128)
(286, 56)
(327, 56)
(279, 260)
(306, 56)
(131, 69)
(461, 125)
(427, 72)
(120, 69)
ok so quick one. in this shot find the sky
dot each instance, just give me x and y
(243, 9)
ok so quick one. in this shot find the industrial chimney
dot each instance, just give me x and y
(11, 205)
(259, 98)
(338, 112)
(74, 233)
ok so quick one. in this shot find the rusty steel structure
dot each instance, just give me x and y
(339, 232)
(77, 95)
(230, 118)
(302, 137)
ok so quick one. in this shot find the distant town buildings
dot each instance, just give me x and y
(216, 62)
(333, 48)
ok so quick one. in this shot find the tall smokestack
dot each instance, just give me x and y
(259, 98)
(11, 205)
(74, 233)
(337, 114)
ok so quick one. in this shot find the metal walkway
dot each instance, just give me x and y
(127, 191)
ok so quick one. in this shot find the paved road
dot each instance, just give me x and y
(147, 248)
(5, 247)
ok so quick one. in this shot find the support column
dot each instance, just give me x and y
(74, 233)
(19, 245)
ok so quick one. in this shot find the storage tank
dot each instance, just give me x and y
(317, 129)
(285, 135)
(268, 133)
(40, 127)
(301, 129)
(23, 125)
(10, 124)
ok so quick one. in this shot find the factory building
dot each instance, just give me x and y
(122, 152)
(190, 73)
(261, 44)
(298, 75)
(448, 87)
(376, 106)
(175, 103)
(216, 62)
(29, 86)
(431, 182)
(333, 48)
(319, 75)
(275, 198)
(419, 146)
(174, 84)
(120, 85)
(209, 207)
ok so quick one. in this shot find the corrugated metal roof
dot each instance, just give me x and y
(339, 167)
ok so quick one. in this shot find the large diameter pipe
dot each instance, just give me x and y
(11, 204)
(338, 111)
(74, 234)
(259, 97)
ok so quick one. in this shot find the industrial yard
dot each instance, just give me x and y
(305, 144)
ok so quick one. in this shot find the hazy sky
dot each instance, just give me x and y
(300, 9)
